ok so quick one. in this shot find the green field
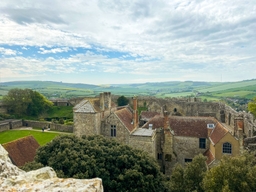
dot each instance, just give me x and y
(41, 137)
(214, 90)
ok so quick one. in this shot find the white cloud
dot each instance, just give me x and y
(55, 50)
(5, 51)
(196, 37)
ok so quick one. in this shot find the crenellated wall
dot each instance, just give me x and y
(45, 124)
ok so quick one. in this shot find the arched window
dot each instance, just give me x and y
(227, 148)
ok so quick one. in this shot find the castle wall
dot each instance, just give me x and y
(187, 148)
(52, 126)
(122, 134)
(87, 123)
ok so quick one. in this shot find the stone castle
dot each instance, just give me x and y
(171, 130)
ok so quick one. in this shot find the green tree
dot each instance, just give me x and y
(26, 102)
(252, 106)
(120, 167)
(121, 101)
(232, 174)
(190, 177)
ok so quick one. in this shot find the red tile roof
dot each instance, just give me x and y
(147, 115)
(125, 116)
(210, 157)
(22, 150)
(218, 132)
(184, 126)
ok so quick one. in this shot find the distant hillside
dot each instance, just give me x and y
(206, 90)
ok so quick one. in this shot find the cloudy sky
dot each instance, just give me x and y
(135, 41)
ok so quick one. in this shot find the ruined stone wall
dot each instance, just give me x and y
(248, 121)
(187, 148)
(45, 124)
(144, 143)
(122, 134)
(86, 124)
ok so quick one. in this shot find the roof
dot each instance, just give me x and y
(143, 132)
(218, 133)
(22, 150)
(210, 157)
(125, 117)
(147, 115)
(184, 126)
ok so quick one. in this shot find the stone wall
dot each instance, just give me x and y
(52, 126)
(87, 124)
(122, 134)
(187, 148)
(4, 126)
(147, 144)
(10, 124)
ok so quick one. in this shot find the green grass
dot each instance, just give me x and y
(61, 111)
(41, 137)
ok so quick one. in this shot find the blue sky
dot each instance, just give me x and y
(136, 41)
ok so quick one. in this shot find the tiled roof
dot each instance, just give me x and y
(86, 107)
(157, 122)
(184, 126)
(126, 117)
(218, 132)
(90, 105)
(210, 157)
(191, 126)
(22, 150)
(147, 115)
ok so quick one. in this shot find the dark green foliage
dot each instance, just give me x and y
(121, 101)
(32, 166)
(190, 177)
(252, 106)
(120, 167)
(232, 174)
(26, 102)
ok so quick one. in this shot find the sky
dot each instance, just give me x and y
(122, 42)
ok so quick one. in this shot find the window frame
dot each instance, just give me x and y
(113, 130)
(227, 148)
(202, 143)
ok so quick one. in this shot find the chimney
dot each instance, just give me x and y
(166, 120)
(135, 112)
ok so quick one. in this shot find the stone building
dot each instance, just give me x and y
(171, 131)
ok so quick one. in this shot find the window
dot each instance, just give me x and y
(227, 148)
(159, 156)
(188, 160)
(202, 143)
(113, 131)
(210, 126)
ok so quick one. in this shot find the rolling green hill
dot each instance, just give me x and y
(206, 90)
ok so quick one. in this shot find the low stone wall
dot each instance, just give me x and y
(45, 124)
(10, 124)
(4, 126)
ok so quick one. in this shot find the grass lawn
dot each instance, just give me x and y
(41, 137)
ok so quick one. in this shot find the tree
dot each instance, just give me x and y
(26, 102)
(120, 167)
(252, 106)
(190, 177)
(121, 101)
(232, 174)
